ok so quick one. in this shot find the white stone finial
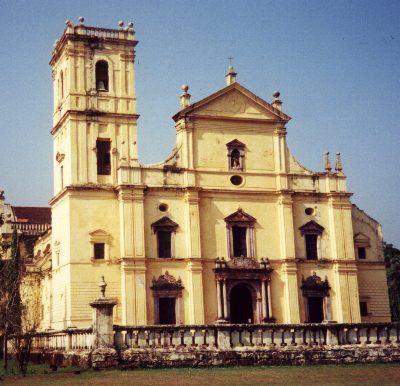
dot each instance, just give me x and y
(328, 166)
(277, 103)
(338, 166)
(81, 20)
(120, 24)
(185, 96)
(231, 75)
(130, 25)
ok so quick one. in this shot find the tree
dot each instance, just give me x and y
(392, 261)
(10, 295)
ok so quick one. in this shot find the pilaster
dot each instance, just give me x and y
(286, 227)
(291, 296)
(192, 216)
(346, 289)
(196, 301)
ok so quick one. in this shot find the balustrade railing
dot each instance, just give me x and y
(223, 336)
(68, 339)
(226, 336)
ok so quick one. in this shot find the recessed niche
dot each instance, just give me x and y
(236, 180)
(163, 207)
(309, 211)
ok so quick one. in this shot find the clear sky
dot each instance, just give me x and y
(336, 64)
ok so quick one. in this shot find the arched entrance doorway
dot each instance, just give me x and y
(241, 304)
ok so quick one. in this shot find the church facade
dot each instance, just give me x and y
(229, 228)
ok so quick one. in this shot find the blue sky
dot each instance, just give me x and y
(336, 64)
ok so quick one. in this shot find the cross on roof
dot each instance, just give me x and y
(230, 58)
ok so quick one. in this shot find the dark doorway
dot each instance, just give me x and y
(166, 310)
(315, 309)
(241, 305)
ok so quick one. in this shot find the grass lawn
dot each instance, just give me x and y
(379, 374)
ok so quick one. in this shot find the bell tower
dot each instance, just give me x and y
(94, 117)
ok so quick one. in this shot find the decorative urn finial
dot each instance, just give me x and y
(103, 286)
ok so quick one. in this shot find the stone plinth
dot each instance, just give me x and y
(103, 322)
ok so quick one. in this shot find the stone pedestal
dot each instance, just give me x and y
(103, 322)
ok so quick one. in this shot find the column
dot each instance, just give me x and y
(219, 302)
(225, 299)
(269, 298)
(263, 302)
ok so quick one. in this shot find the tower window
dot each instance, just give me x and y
(364, 308)
(312, 233)
(163, 228)
(164, 243)
(62, 85)
(102, 76)
(361, 253)
(99, 251)
(103, 157)
(239, 241)
(311, 247)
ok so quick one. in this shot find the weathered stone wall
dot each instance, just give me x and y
(204, 357)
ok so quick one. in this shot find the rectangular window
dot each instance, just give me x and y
(103, 157)
(363, 308)
(239, 241)
(164, 244)
(99, 251)
(361, 253)
(311, 247)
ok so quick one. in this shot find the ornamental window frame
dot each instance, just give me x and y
(167, 286)
(162, 226)
(240, 219)
(236, 155)
(312, 229)
(361, 241)
(97, 237)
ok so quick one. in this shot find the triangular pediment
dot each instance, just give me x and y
(234, 101)
(311, 228)
(235, 144)
(360, 239)
(164, 223)
(240, 216)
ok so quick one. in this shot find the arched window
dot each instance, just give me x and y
(102, 75)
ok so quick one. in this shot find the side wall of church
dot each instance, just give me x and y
(371, 270)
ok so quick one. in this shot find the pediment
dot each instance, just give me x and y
(240, 216)
(99, 236)
(99, 232)
(235, 144)
(360, 239)
(311, 228)
(164, 223)
(234, 101)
